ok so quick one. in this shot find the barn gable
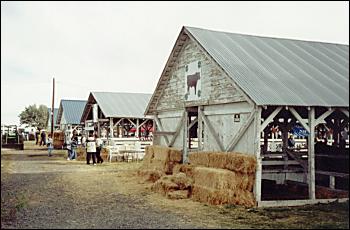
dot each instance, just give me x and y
(215, 85)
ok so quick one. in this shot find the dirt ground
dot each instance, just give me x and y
(38, 191)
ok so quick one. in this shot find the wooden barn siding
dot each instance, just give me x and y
(215, 84)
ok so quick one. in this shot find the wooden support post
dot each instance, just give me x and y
(258, 173)
(321, 118)
(200, 128)
(185, 137)
(298, 117)
(137, 128)
(311, 155)
(332, 182)
(266, 140)
(111, 127)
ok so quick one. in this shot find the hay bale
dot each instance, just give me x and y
(217, 160)
(199, 158)
(184, 168)
(149, 154)
(222, 196)
(179, 194)
(164, 185)
(216, 178)
(161, 153)
(182, 180)
(175, 155)
(150, 175)
(239, 162)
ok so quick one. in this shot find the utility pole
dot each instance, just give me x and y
(52, 108)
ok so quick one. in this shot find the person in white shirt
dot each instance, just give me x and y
(99, 144)
(91, 149)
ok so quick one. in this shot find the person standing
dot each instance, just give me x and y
(99, 144)
(91, 149)
(69, 149)
(74, 145)
(37, 132)
(49, 145)
(43, 138)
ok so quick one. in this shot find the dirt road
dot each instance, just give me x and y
(38, 191)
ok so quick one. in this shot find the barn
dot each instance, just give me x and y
(69, 114)
(121, 113)
(230, 92)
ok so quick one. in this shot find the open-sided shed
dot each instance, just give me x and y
(121, 112)
(229, 92)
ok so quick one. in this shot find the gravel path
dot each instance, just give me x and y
(60, 194)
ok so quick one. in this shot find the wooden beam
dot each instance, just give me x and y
(137, 128)
(159, 124)
(185, 137)
(301, 120)
(163, 133)
(270, 118)
(111, 127)
(132, 122)
(200, 128)
(346, 112)
(118, 122)
(177, 130)
(193, 123)
(212, 132)
(241, 132)
(321, 118)
(258, 172)
(311, 156)
(280, 203)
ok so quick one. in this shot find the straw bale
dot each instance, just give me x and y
(149, 154)
(185, 168)
(222, 196)
(150, 175)
(182, 180)
(241, 163)
(175, 155)
(161, 153)
(164, 185)
(179, 194)
(81, 153)
(199, 158)
(217, 160)
(216, 178)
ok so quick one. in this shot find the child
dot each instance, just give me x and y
(69, 148)
(49, 145)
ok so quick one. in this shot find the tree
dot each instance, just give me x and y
(34, 116)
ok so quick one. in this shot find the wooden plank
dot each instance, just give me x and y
(200, 128)
(289, 170)
(212, 132)
(177, 130)
(159, 124)
(281, 203)
(163, 133)
(185, 137)
(311, 154)
(241, 132)
(258, 172)
(321, 118)
(111, 127)
(270, 118)
(193, 123)
(281, 162)
(301, 120)
(336, 174)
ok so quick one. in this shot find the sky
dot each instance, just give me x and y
(123, 46)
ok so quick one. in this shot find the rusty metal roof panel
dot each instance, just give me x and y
(276, 71)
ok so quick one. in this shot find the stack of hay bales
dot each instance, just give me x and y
(159, 161)
(177, 186)
(223, 178)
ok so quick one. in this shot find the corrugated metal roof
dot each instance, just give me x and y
(275, 71)
(122, 104)
(55, 112)
(72, 110)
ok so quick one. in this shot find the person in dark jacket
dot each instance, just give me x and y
(43, 138)
(99, 143)
(74, 145)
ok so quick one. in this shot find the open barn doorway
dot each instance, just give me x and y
(192, 128)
